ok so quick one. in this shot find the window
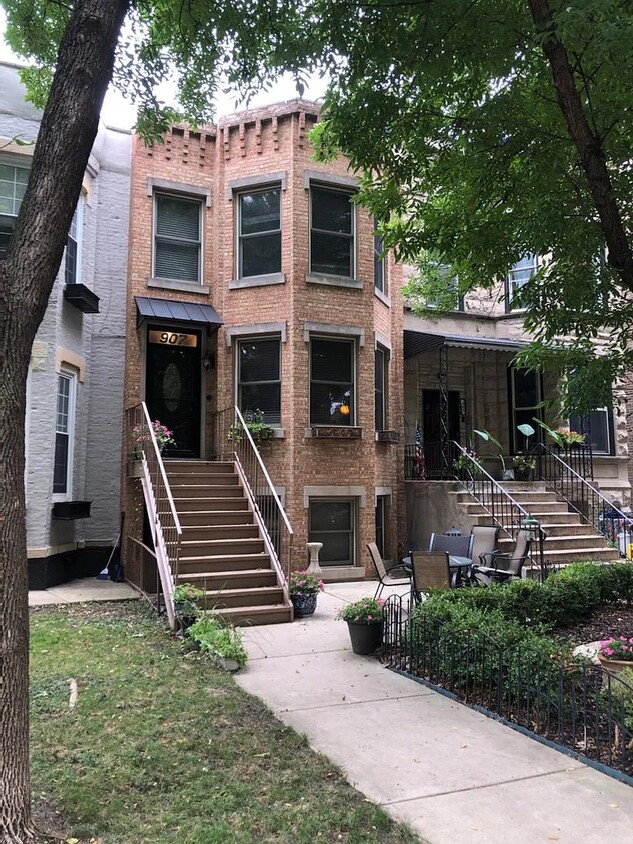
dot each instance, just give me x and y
(597, 428)
(380, 389)
(13, 181)
(380, 263)
(518, 276)
(332, 234)
(178, 238)
(527, 394)
(73, 249)
(64, 430)
(332, 522)
(450, 300)
(381, 506)
(259, 228)
(259, 377)
(331, 382)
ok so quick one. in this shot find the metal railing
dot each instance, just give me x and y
(233, 440)
(142, 570)
(425, 462)
(583, 498)
(161, 511)
(578, 706)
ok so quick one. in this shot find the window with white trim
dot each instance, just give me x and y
(13, 182)
(380, 389)
(259, 232)
(333, 522)
(177, 237)
(597, 428)
(64, 433)
(380, 261)
(331, 231)
(519, 276)
(332, 377)
(259, 377)
(73, 246)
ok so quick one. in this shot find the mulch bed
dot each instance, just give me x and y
(604, 623)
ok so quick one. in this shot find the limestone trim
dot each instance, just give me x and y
(257, 281)
(51, 550)
(382, 492)
(310, 328)
(255, 329)
(154, 183)
(183, 286)
(386, 300)
(334, 280)
(358, 492)
(317, 176)
(234, 186)
(382, 340)
(65, 356)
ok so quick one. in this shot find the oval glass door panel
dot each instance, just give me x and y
(172, 387)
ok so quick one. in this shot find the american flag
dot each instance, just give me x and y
(419, 468)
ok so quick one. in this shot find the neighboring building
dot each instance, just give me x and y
(75, 385)
(300, 319)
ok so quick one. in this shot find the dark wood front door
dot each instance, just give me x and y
(432, 428)
(173, 384)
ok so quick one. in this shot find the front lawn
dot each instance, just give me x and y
(162, 747)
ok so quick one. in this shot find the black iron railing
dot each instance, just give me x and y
(552, 466)
(426, 462)
(581, 707)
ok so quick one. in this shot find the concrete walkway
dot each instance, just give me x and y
(82, 590)
(453, 774)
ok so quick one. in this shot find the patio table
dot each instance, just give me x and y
(457, 565)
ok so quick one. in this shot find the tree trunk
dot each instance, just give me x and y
(590, 149)
(68, 129)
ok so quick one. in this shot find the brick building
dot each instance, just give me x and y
(300, 319)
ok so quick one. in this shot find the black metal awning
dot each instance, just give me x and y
(176, 311)
(417, 342)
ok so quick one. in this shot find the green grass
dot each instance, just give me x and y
(162, 747)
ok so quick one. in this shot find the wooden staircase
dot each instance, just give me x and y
(568, 538)
(222, 550)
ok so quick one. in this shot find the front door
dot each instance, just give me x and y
(172, 386)
(432, 427)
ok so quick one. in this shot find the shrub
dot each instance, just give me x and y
(218, 640)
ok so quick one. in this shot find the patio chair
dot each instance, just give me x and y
(430, 570)
(497, 567)
(385, 577)
(459, 546)
(484, 541)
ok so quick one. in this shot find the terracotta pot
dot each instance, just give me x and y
(365, 638)
(614, 666)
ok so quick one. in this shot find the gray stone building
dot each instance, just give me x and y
(75, 386)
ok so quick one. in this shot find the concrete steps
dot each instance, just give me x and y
(222, 550)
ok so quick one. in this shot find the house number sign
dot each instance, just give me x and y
(173, 338)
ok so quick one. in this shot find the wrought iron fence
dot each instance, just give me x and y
(581, 496)
(234, 440)
(579, 706)
(426, 462)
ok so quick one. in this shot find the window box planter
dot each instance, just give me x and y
(337, 432)
(82, 297)
(69, 510)
(388, 436)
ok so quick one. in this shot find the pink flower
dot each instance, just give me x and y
(608, 651)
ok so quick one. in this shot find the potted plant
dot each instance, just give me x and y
(220, 641)
(364, 622)
(486, 436)
(616, 654)
(141, 438)
(186, 598)
(570, 439)
(467, 464)
(258, 429)
(524, 465)
(304, 591)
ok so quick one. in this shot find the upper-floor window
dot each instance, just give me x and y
(380, 390)
(332, 232)
(259, 232)
(73, 246)
(13, 181)
(332, 382)
(380, 262)
(259, 377)
(177, 238)
(451, 300)
(518, 276)
(64, 433)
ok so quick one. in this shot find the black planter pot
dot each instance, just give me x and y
(522, 474)
(304, 604)
(365, 638)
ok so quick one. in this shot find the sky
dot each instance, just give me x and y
(120, 113)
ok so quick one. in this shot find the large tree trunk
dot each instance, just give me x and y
(68, 129)
(590, 148)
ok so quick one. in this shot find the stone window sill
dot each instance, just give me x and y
(257, 281)
(177, 284)
(334, 280)
(383, 298)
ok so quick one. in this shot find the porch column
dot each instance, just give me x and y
(444, 430)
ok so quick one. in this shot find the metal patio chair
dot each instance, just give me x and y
(497, 567)
(484, 541)
(384, 576)
(430, 570)
(459, 546)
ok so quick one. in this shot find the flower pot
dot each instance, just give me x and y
(365, 638)
(614, 666)
(522, 474)
(304, 604)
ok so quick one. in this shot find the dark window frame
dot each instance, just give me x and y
(350, 342)
(240, 383)
(380, 390)
(352, 531)
(241, 237)
(381, 275)
(315, 189)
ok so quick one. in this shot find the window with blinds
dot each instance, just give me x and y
(259, 228)
(259, 377)
(331, 382)
(177, 248)
(332, 232)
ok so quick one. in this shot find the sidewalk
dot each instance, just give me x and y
(82, 590)
(455, 775)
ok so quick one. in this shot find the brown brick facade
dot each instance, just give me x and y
(274, 140)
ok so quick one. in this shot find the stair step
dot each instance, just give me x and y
(204, 491)
(193, 466)
(556, 543)
(223, 563)
(220, 580)
(252, 616)
(220, 547)
(202, 532)
(211, 479)
(219, 599)
(189, 505)
(570, 555)
(213, 518)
